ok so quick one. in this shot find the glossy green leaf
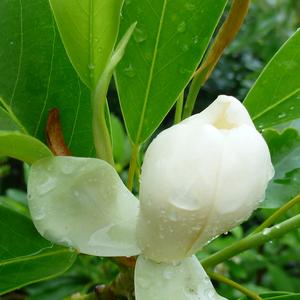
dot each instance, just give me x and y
(6, 122)
(275, 96)
(184, 280)
(89, 31)
(22, 147)
(285, 151)
(25, 257)
(36, 74)
(82, 202)
(168, 44)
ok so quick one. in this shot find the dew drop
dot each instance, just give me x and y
(91, 67)
(196, 39)
(266, 231)
(282, 115)
(46, 186)
(185, 47)
(292, 107)
(167, 274)
(190, 6)
(139, 35)
(129, 71)
(181, 27)
(76, 194)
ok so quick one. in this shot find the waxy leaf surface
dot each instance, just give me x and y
(168, 44)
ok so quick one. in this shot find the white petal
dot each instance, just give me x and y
(245, 171)
(185, 280)
(176, 187)
(82, 202)
(199, 179)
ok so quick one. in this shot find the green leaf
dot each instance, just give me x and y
(6, 122)
(25, 257)
(274, 98)
(36, 75)
(89, 30)
(285, 152)
(22, 147)
(168, 44)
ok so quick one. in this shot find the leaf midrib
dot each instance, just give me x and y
(91, 42)
(151, 73)
(271, 107)
(33, 257)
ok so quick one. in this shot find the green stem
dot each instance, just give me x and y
(179, 108)
(252, 241)
(226, 34)
(281, 211)
(101, 134)
(235, 285)
(133, 166)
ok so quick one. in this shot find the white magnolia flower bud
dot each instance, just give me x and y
(201, 178)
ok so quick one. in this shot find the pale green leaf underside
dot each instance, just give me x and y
(184, 280)
(82, 202)
(89, 30)
(22, 147)
(274, 98)
(25, 257)
(167, 46)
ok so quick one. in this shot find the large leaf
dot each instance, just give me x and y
(169, 42)
(36, 74)
(6, 122)
(22, 147)
(25, 257)
(285, 151)
(89, 31)
(275, 96)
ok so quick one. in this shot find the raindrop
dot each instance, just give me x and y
(167, 274)
(139, 35)
(172, 215)
(181, 27)
(292, 107)
(91, 66)
(129, 71)
(47, 186)
(266, 231)
(11, 43)
(76, 194)
(190, 6)
(185, 47)
(196, 39)
(282, 115)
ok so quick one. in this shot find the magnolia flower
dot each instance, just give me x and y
(199, 179)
